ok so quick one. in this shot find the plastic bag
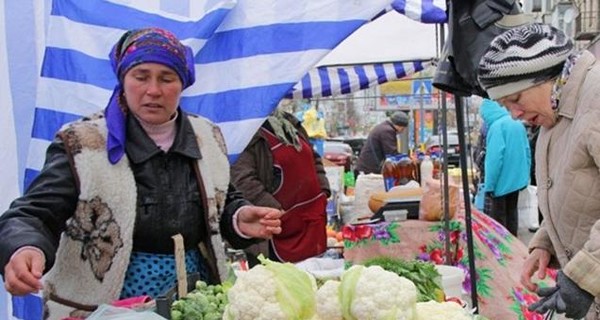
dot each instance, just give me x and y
(322, 268)
(313, 124)
(431, 207)
(480, 197)
(108, 312)
(366, 184)
(528, 208)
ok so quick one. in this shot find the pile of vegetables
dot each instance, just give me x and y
(422, 274)
(281, 291)
(205, 302)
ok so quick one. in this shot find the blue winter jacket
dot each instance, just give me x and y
(508, 157)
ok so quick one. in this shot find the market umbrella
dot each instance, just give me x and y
(349, 68)
(325, 81)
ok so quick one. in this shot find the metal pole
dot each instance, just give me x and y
(445, 191)
(465, 184)
(421, 116)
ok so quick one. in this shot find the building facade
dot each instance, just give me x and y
(580, 19)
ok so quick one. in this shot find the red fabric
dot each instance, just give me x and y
(303, 225)
(131, 302)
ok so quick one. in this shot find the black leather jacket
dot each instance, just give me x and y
(169, 200)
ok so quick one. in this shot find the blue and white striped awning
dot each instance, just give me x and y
(325, 81)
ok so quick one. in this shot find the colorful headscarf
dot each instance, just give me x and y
(150, 45)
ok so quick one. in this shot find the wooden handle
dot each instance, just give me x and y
(180, 265)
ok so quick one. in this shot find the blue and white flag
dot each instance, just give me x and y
(248, 53)
(426, 11)
(325, 81)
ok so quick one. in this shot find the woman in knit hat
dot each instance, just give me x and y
(116, 186)
(535, 73)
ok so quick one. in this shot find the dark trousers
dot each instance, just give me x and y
(504, 209)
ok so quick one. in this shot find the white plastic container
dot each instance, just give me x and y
(426, 170)
(452, 279)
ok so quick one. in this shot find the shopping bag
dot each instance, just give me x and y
(528, 208)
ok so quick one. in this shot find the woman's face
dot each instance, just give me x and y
(152, 92)
(532, 105)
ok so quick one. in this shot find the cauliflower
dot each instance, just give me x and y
(372, 293)
(273, 291)
(433, 310)
(254, 291)
(328, 302)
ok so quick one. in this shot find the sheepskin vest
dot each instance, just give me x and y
(95, 247)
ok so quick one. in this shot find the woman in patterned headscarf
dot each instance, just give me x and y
(116, 186)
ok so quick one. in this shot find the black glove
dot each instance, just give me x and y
(566, 297)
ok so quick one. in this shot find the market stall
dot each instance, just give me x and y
(413, 245)
(488, 255)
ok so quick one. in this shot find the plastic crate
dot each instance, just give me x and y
(166, 299)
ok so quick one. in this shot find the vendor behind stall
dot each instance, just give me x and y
(382, 141)
(280, 169)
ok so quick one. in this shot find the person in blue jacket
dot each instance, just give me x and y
(507, 164)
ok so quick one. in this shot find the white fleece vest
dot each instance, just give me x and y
(94, 250)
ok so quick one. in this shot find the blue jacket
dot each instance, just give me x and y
(508, 157)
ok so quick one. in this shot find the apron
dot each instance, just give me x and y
(303, 224)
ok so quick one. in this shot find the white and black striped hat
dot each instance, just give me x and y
(523, 57)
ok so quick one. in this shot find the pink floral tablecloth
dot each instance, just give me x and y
(499, 257)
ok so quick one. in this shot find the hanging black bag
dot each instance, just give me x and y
(472, 26)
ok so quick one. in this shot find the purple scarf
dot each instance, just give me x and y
(151, 45)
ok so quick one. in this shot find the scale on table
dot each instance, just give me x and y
(399, 209)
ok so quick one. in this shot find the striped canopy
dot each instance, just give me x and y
(325, 81)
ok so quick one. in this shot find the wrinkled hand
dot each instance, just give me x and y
(566, 297)
(537, 260)
(23, 273)
(259, 222)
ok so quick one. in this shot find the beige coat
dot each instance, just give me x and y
(568, 176)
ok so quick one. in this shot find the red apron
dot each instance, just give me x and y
(303, 225)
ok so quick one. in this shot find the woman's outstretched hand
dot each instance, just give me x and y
(23, 273)
(259, 222)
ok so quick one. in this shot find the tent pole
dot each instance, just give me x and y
(445, 189)
(460, 123)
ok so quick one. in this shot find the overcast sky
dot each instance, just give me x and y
(392, 37)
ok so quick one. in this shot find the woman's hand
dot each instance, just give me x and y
(537, 260)
(259, 222)
(23, 273)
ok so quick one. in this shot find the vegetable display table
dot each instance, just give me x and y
(499, 257)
